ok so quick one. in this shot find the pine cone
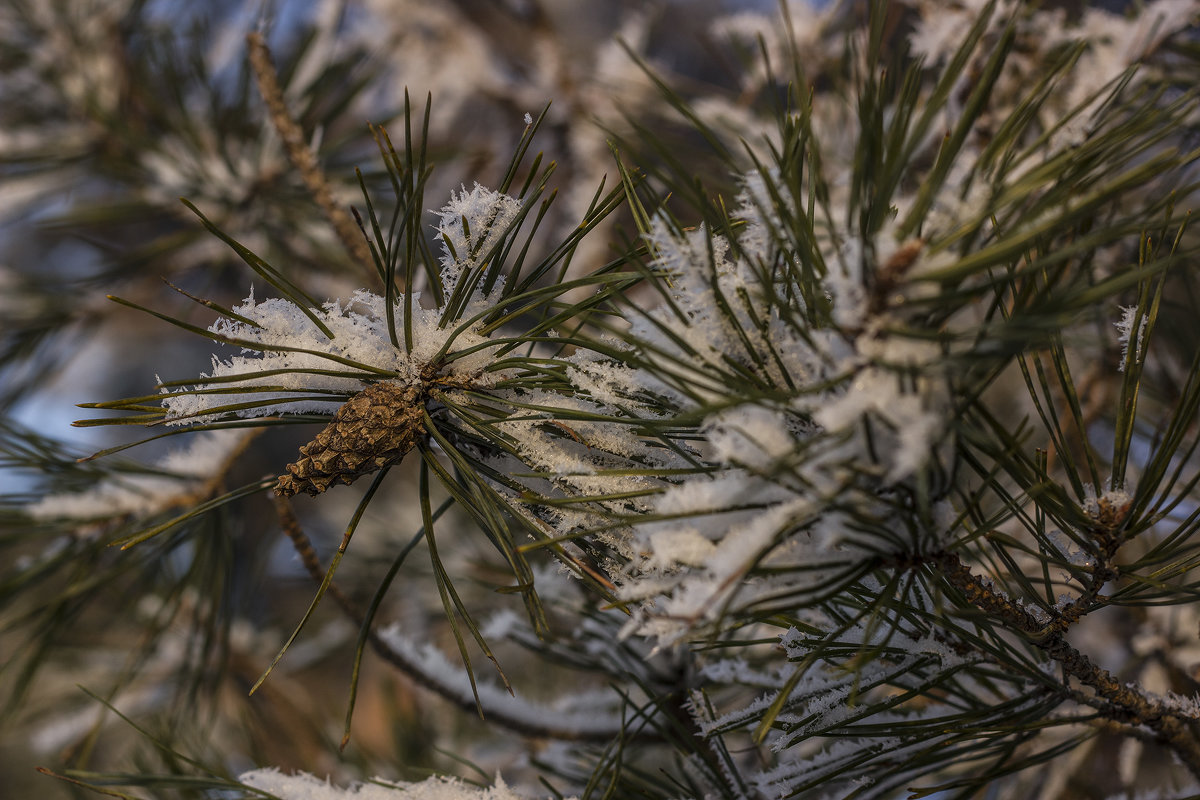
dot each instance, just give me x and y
(373, 429)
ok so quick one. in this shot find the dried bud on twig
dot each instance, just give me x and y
(373, 429)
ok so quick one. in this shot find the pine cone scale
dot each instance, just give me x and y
(371, 430)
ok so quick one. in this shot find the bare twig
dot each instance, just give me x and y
(299, 153)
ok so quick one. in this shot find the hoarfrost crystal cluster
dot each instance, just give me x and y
(308, 360)
(781, 468)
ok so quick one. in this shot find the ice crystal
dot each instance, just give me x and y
(1127, 337)
(470, 226)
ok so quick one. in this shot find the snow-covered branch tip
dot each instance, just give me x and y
(346, 360)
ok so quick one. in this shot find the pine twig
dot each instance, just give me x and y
(316, 570)
(299, 154)
(1127, 705)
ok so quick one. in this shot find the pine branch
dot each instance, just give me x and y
(1127, 705)
(300, 154)
(290, 524)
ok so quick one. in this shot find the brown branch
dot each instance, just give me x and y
(1126, 705)
(299, 153)
(312, 564)
(1103, 570)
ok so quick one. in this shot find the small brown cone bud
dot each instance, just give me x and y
(373, 429)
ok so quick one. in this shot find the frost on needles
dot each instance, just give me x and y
(308, 361)
(787, 470)
(307, 787)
